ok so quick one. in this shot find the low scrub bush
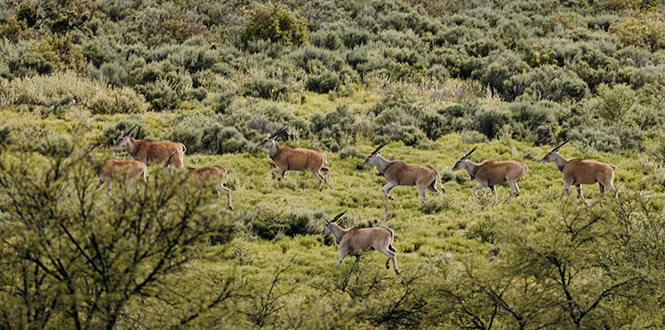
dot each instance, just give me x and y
(218, 139)
(274, 22)
(112, 132)
(265, 88)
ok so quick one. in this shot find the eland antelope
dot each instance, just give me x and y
(490, 173)
(209, 175)
(295, 159)
(400, 173)
(150, 151)
(355, 240)
(578, 171)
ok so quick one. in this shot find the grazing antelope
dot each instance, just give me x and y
(490, 173)
(150, 151)
(355, 240)
(209, 175)
(113, 169)
(400, 173)
(578, 171)
(295, 159)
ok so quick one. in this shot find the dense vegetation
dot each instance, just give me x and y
(435, 77)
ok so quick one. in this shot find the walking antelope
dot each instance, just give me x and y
(114, 169)
(490, 173)
(355, 240)
(400, 173)
(578, 171)
(209, 175)
(295, 159)
(150, 151)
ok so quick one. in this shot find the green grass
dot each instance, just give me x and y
(421, 238)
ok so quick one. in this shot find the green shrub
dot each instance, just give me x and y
(265, 88)
(646, 30)
(55, 146)
(268, 223)
(5, 135)
(112, 132)
(489, 121)
(532, 122)
(337, 125)
(276, 23)
(118, 100)
(555, 84)
(218, 139)
(324, 82)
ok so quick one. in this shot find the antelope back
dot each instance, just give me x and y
(298, 159)
(588, 171)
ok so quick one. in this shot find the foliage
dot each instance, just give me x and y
(276, 23)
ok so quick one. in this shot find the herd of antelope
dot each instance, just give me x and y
(352, 241)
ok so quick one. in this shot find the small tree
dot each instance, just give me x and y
(76, 258)
(276, 23)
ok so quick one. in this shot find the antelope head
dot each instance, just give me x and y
(462, 161)
(372, 157)
(122, 139)
(551, 156)
(328, 228)
(269, 140)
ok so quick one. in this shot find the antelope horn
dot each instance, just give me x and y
(559, 146)
(469, 153)
(279, 131)
(168, 161)
(379, 148)
(130, 130)
(337, 217)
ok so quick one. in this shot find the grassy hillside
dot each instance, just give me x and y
(435, 78)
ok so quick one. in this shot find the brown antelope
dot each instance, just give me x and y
(295, 159)
(355, 240)
(113, 169)
(578, 171)
(400, 173)
(490, 173)
(209, 175)
(150, 151)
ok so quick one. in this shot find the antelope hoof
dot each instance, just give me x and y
(231, 208)
(388, 264)
(397, 271)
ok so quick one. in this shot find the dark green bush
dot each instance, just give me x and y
(490, 121)
(268, 223)
(5, 135)
(276, 23)
(555, 84)
(265, 88)
(323, 83)
(218, 139)
(337, 125)
(532, 122)
(112, 132)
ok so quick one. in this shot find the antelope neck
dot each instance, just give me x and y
(273, 150)
(382, 163)
(471, 167)
(131, 146)
(338, 232)
(560, 161)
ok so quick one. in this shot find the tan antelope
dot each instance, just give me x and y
(355, 240)
(578, 171)
(150, 151)
(295, 159)
(490, 173)
(400, 173)
(209, 175)
(114, 169)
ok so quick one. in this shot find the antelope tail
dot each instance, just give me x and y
(145, 174)
(392, 239)
(614, 168)
(184, 149)
(325, 159)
